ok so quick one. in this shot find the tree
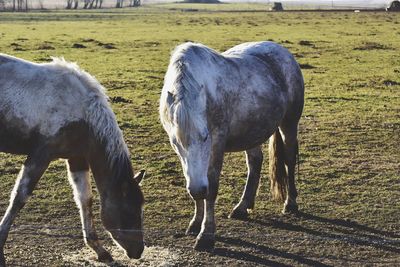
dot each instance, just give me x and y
(133, 3)
(202, 1)
(120, 4)
(91, 4)
(69, 4)
(20, 5)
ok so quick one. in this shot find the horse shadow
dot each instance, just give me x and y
(339, 230)
(248, 257)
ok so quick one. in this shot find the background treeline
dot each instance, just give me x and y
(25, 5)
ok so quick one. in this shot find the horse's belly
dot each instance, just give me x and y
(12, 141)
(248, 140)
(17, 138)
(246, 132)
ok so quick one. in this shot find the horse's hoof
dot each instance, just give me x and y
(193, 229)
(105, 257)
(239, 214)
(290, 209)
(205, 244)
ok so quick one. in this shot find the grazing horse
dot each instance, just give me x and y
(56, 110)
(213, 103)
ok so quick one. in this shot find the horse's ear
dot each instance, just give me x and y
(139, 176)
(170, 98)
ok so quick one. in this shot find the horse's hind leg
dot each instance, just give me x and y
(78, 174)
(290, 143)
(254, 159)
(30, 173)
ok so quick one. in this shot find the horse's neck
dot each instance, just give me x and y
(108, 174)
(100, 169)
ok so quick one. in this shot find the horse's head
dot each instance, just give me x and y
(122, 216)
(190, 138)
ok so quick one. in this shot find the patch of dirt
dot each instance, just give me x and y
(106, 45)
(151, 44)
(306, 66)
(77, 45)
(17, 47)
(120, 99)
(115, 85)
(45, 46)
(306, 43)
(297, 55)
(99, 43)
(152, 256)
(390, 83)
(372, 46)
(43, 59)
(88, 40)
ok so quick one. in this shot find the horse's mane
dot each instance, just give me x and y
(99, 115)
(184, 88)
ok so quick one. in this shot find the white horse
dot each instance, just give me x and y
(214, 103)
(56, 110)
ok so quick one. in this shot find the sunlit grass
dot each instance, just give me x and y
(349, 132)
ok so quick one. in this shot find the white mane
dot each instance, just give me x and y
(99, 115)
(181, 90)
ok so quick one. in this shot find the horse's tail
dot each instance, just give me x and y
(277, 170)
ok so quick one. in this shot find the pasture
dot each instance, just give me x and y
(349, 185)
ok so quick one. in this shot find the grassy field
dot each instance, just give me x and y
(349, 185)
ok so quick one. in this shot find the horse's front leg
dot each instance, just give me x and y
(195, 224)
(78, 174)
(30, 173)
(2, 259)
(206, 239)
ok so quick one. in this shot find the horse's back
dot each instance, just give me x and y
(36, 102)
(264, 50)
(280, 63)
(275, 55)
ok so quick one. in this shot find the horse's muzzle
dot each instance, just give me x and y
(136, 254)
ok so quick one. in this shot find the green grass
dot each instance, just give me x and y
(221, 7)
(349, 184)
